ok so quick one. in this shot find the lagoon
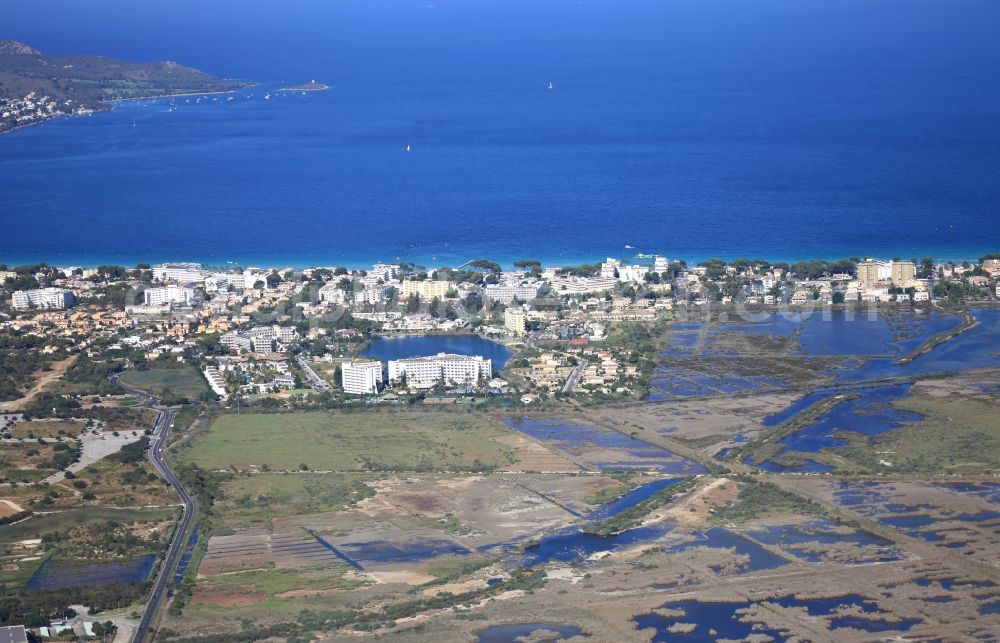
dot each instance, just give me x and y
(393, 348)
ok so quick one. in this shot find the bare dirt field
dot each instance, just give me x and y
(226, 597)
(9, 508)
(46, 378)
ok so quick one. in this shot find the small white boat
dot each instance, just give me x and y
(407, 148)
(267, 97)
(550, 85)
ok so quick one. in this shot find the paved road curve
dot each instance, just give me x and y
(161, 427)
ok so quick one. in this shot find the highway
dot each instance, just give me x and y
(317, 382)
(574, 377)
(161, 427)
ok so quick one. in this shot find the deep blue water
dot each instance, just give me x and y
(596, 445)
(507, 633)
(824, 531)
(727, 621)
(391, 348)
(796, 407)
(382, 551)
(186, 558)
(572, 543)
(717, 537)
(975, 348)
(870, 413)
(58, 574)
(630, 499)
(779, 128)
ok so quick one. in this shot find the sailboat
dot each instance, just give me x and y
(407, 148)
(550, 85)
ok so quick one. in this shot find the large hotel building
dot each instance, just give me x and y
(43, 298)
(425, 372)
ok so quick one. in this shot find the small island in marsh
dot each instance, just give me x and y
(35, 87)
(311, 86)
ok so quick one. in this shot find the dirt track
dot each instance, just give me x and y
(58, 368)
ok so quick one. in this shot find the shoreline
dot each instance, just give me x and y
(107, 106)
(304, 89)
(363, 261)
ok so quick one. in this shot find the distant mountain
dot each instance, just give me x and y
(35, 87)
(17, 48)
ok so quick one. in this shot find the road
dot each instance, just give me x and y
(161, 427)
(574, 377)
(315, 380)
(58, 368)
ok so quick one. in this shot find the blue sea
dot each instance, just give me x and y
(695, 128)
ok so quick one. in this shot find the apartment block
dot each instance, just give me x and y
(361, 377)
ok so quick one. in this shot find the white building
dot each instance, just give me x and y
(262, 345)
(508, 291)
(425, 372)
(330, 293)
(361, 378)
(633, 274)
(571, 285)
(514, 321)
(373, 295)
(660, 264)
(43, 298)
(236, 342)
(168, 295)
(259, 339)
(426, 290)
(610, 268)
(244, 280)
(384, 271)
(181, 272)
(215, 381)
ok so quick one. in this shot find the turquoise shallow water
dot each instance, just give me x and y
(775, 128)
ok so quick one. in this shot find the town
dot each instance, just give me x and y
(299, 335)
(32, 109)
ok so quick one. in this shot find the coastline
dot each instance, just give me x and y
(366, 260)
(304, 89)
(107, 106)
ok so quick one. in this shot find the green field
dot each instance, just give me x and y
(179, 381)
(44, 523)
(276, 581)
(376, 441)
(255, 499)
(955, 436)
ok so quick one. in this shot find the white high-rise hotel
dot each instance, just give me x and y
(361, 378)
(168, 295)
(425, 372)
(43, 298)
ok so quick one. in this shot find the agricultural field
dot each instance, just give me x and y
(250, 500)
(46, 428)
(31, 461)
(184, 382)
(393, 441)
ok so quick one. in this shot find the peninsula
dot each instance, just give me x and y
(35, 87)
(311, 86)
